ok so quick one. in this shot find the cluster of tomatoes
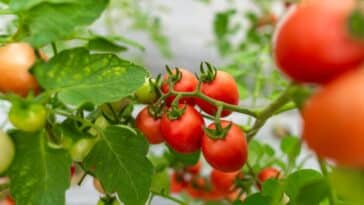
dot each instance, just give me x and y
(182, 127)
(315, 43)
(217, 186)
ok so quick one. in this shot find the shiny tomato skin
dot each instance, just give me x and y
(312, 43)
(222, 88)
(223, 181)
(333, 120)
(149, 126)
(183, 134)
(228, 154)
(187, 83)
(16, 60)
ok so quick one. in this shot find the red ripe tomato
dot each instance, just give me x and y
(187, 83)
(222, 88)
(228, 154)
(178, 183)
(213, 195)
(16, 60)
(195, 169)
(183, 134)
(149, 126)
(312, 43)
(223, 181)
(267, 173)
(333, 120)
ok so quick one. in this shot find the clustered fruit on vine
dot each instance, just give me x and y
(314, 44)
(182, 127)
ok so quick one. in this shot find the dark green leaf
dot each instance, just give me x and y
(274, 189)
(313, 192)
(17, 5)
(257, 199)
(81, 77)
(105, 45)
(49, 22)
(119, 161)
(39, 175)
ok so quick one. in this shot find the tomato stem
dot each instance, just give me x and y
(325, 172)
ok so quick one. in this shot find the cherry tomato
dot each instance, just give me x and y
(333, 120)
(267, 173)
(195, 169)
(81, 149)
(197, 188)
(183, 134)
(7, 152)
(178, 183)
(312, 43)
(228, 154)
(9, 200)
(29, 118)
(222, 88)
(146, 94)
(16, 60)
(98, 186)
(149, 126)
(223, 181)
(187, 83)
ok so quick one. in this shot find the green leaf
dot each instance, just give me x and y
(291, 146)
(48, 22)
(160, 182)
(39, 175)
(313, 192)
(183, 159)
(257, 199)
(356, 22)
(221, 23)
(105, 45)
(119, 161)
(81, 77)
(296, 181)
(17, 5)
(274, 189)
(348, 183)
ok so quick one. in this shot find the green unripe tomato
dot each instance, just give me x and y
(7, 152)
(29, 118)
(100, 122)
(146, 94)
(81, 149)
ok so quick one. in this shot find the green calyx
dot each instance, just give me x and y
(207, 74)
(219, 133)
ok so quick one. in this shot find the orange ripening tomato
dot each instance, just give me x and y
(222, 88)
(15, 61)
(149, 126)
(228, 154)
(187, 83)
(312, 43)
(223, 181)
(333, 120)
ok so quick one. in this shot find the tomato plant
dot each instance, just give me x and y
(79, 109)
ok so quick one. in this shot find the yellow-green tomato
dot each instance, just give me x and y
(81, 149)
(146, 94)
(7, 152)
(29, 118)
